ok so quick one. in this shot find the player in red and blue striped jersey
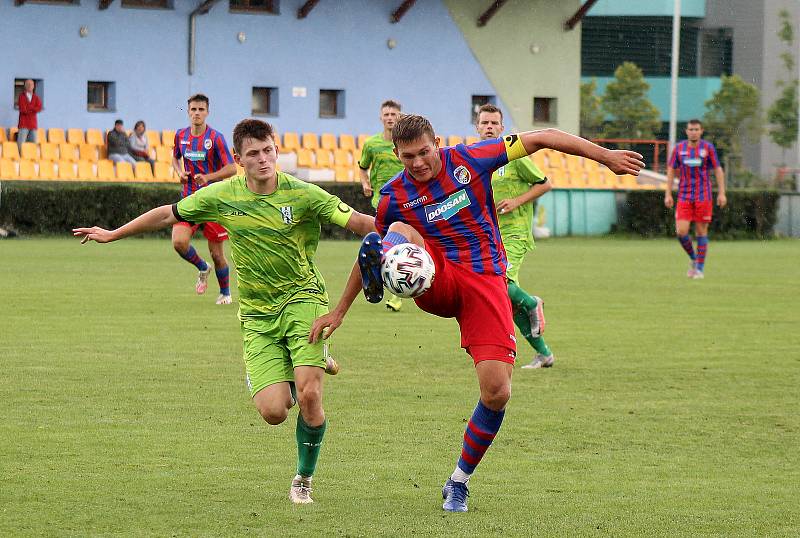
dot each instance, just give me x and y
(694, 158)
(205, 159)
(443, 201)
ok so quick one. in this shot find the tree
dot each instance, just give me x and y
(782, 115)
(732, 114)
(625, 100)
(592, 115)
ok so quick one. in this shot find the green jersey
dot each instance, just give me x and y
(273, 238)
(378, 155)
(512, 180)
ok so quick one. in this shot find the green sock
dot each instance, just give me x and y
(522, 321)
(540, 346)
(309, 440)
(520, 299)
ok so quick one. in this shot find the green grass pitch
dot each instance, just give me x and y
(672, 409)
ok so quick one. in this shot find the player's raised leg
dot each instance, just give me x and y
(181, 242)
(370, 256)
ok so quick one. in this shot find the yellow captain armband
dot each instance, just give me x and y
(341, 214)
(514, 147)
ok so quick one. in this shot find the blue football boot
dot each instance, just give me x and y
(370, 261)
(455, 496)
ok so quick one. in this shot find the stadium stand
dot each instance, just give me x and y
(27, 170)
(56, 135)
(95, 137)
(75, 136)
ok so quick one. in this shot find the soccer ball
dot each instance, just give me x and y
(408, 270)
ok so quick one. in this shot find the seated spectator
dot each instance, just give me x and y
(137, 142)
(118, 145)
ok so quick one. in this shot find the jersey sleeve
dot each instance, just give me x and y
(176, 147)
(366, 157)
(199, 207)
(529, 172)
(712, 155)
(673, 160)
(223, 153)
(328, 207)
(381, 215)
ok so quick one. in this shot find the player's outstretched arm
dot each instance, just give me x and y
(155, 219)
(324, 326)
(619, 161)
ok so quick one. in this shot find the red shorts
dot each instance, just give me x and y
(211, 230)
(480, 304)
(694, 211)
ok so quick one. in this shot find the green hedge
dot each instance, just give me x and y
(53, 208)
(749, 214)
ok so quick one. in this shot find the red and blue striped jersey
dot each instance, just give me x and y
(454, 211)
(694, 164)
(202, 154)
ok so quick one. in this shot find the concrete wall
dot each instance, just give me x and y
(526, 53)
(340, 45)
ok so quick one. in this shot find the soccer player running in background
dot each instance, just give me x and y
(377, 157)
(693, 158)
(206, 159)
(274, 223)
(516, 186)
(443, 202)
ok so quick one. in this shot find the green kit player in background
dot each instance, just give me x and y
(377, 157)
(515, 187)
(273, 221)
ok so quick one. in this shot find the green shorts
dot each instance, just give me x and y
(275, 346)
(515, 252)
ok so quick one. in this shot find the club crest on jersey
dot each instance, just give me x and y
(501, 171)
(446, 209)
(286, 213)
(208, 143)
(703, 153)
(462, 175)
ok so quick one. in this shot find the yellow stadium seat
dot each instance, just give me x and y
(30, 151)
(153, 138)
(356, 155)
(310, 141)
(10, 151)
(27, 170)
(164, 154)
(291, 142)
(323, 158)
(346, 141)
(304, 158)
(103, 151)
(66, 170)
(3, 137)
(75, 136)
(328, 141)
(472, 140)
(48, 151)
(95, 136)
(143, 171)
(105, 170)
(86, 171)
(539, 159)
(47, 170)
(168, 138)
(341, 157)
(88, 152)
(361, 139)
(8, 168)
(125, 171)
(342, 173)
(67, 152)
(56, 135)
(454, 140)
(164, 171)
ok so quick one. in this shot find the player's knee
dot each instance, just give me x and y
(401, 228)
(274, 416)
(219, 260)
(310, 399)
(495, 397)
(180, 246)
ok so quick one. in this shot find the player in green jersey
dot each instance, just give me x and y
(273, 221)
(377, 157)
(515, 187)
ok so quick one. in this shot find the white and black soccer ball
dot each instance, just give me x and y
(408, 270)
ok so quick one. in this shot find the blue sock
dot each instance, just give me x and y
(702, 248)
(686, 243)
(392, 239)
(480, 432)
(194, 258)
(224, 281)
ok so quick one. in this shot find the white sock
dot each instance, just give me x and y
(459, 476)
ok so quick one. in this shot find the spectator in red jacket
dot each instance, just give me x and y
(29, 105)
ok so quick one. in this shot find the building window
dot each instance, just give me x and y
(57, 2)
(151, 4)
(269, 7)
(331, 103)
(265, 101)
(544, 110)
(19, 87)
(100, 96)
(477, 102)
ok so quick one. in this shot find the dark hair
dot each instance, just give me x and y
(138, 123)
(411, 127)
(119, 122)
(199, 97)
(491, 109)
(255, 129)
(694, 121)
(391, 104)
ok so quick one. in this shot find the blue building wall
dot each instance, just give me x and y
(649, 8)
(340, 45)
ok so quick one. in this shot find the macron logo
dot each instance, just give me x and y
(416, 202)
(444, 210)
